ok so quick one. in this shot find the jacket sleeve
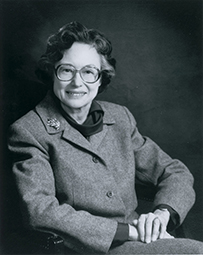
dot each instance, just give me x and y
(80, 230)
(173, 180)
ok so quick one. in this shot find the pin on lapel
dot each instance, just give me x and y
(53, 122)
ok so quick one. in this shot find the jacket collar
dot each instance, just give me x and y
(54, 122)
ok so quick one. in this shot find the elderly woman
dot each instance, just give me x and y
(76, 159)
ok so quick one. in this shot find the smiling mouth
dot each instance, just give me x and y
(76, 94)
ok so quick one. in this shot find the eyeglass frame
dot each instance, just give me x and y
(77, 71)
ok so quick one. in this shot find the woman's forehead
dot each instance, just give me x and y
(81, 54)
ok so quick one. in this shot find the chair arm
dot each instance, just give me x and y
(47, 242)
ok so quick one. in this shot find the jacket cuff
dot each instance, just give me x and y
(121, 235)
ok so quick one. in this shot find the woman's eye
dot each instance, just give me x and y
(66, 70)
(89, 72)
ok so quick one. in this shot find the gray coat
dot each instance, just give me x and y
(80, 189)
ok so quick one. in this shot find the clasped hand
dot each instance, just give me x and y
(150, 227)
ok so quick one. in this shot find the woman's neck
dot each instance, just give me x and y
(79, 114)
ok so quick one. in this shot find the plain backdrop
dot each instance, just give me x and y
(158, 48)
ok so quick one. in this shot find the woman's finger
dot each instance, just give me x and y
(155, 229)
(135, 222)
(141, 227)
(162, 230)
(148, 227)
(167, 236)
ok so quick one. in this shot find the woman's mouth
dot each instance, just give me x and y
(75, 94)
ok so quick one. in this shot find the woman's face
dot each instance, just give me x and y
(76, 94)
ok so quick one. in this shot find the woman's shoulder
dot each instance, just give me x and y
(115, 109)
(28, 121)
(119, 113)
(110, 106)
(31, 119)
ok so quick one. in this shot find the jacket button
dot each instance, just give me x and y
(95, 160)
(109, 194)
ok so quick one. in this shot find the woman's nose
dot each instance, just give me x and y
(77, 80)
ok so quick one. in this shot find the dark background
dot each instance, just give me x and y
(158, 48)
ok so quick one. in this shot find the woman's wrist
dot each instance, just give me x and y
(133, 233)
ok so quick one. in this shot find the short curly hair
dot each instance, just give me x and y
(63, 40)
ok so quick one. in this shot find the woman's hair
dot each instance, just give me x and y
(63, 40)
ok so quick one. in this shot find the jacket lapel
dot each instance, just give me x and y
(74, 136)
(54, 122)
(108, 120)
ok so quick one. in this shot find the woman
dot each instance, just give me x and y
(76, 159)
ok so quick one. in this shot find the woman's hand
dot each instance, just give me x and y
(133, 233)
(152, 226)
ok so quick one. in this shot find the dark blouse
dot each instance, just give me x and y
(93, 124)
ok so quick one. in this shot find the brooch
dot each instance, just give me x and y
(53, 122)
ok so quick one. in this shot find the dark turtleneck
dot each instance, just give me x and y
(93, 124)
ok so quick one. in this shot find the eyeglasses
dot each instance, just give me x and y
(67, 72)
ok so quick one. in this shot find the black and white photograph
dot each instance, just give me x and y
(101, 119)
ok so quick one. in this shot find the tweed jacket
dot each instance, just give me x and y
(81, 188)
